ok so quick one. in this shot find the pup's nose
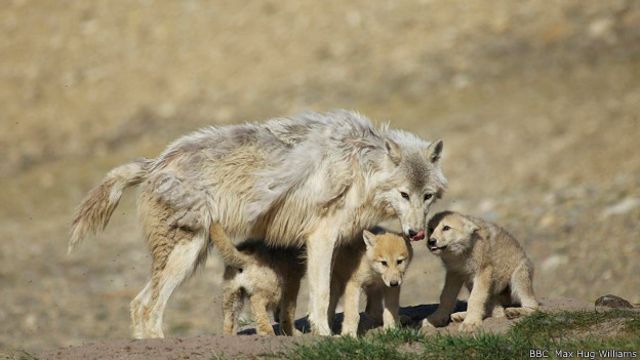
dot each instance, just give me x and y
(393, 283)
(431, 242)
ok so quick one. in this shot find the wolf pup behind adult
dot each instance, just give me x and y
(268, 277)
(314, 179)
(489, 261)
(377, 266)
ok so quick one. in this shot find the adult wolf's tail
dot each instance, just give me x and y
(229, 253)
(96, 209)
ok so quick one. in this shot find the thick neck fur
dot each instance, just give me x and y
(470, 258)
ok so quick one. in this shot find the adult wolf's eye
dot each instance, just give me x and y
(399, 261)
(427, 196)
(445, 228)
(384, 263)
(404, 195)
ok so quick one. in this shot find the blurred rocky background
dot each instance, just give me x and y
(538, 104)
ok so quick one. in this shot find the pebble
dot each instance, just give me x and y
(622, 207)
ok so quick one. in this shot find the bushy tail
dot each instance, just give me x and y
(96, 209)
(229, 253)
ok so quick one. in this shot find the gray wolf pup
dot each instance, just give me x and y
(375, 265)
(268, 277)
(314, 179)
(488, 260)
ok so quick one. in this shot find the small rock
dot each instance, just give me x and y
(613, 301)
(548, 220)
(602, 29)
(30, 322)
(553, 262)
(622, 207)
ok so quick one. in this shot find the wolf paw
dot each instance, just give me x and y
(515, 312)
(459, 316)
(470, 325)
(436, 320)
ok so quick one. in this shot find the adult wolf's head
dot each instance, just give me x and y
(412, 180)
(389, 256)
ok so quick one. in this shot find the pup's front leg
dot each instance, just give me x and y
(351, 304)
(288, 307)
(477, 300)
(448, 298)
(391, 306)
(320, 246)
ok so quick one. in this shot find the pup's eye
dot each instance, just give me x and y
(427, 196)
(430, 230)
(445, 228)
(240, 270)
(404, 195)
(383, 262)
(399, 261)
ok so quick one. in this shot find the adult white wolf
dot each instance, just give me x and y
(313, 178)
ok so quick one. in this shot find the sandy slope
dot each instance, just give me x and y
(537, 103)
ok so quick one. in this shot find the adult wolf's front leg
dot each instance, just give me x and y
(320, 245)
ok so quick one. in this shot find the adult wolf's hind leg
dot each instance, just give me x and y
(136, 307)
(179, 265)
(522, 290)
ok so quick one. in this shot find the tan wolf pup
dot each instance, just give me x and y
(488, 260)
(268, 277)
(375, 265)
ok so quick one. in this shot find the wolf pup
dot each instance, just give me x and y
(488, 260)
(268, 277)
(375, 265)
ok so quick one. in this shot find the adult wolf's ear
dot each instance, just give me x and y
(369, 238)
(434, 150)
(393, 150)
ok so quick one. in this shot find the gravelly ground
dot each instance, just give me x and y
(537, 103)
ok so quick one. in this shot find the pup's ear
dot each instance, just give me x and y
(369, 238)
(434, 150)
(393, 150)
(470, 227)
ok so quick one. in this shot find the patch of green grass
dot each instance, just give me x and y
(565, 331)
(16, 355)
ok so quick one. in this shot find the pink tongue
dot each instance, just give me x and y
(418, 236)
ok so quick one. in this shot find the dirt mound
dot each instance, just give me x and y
(207, 347)
(193, 348)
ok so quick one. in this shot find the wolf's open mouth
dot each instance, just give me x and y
(417, 237)
(435, 248)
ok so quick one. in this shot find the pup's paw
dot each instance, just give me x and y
(436, 320)
(512, 313)
(469, 325)
(459, 316)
